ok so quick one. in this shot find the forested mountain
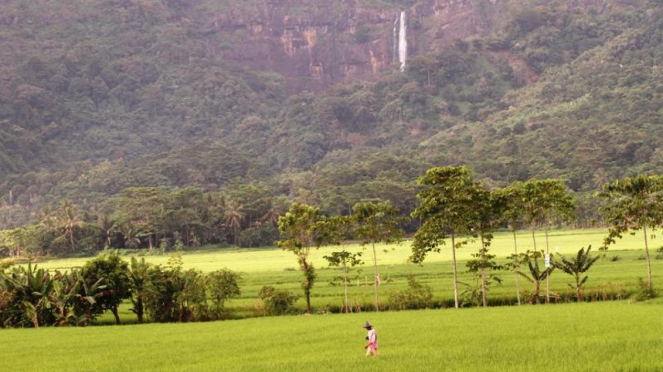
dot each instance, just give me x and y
(302, 99)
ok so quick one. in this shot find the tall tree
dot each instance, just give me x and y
(233, 217)
(576, 266)
(139, 205)
(634, 203)
(302, 229)
(488, 207)
(377, 223)
(70, 219)
(544, 200)
(108, 227)
(512, 214)
(446, 210)
(339, 227)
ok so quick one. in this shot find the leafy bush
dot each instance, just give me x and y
(113, 273)
(221, 286)
(277, 302)
(417, 296)
(644, 292)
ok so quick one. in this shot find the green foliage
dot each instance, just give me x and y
(645, 291)
(145, 100)
(303, 228)
(416, 296)
(533, 273)
(260, 236)
(633, 203)
(445, 209)
(276, 302)
(113, 273)
(222, 285)
(576, 267)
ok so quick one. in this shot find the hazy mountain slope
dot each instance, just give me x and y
(96, 96)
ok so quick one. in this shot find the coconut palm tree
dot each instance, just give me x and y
(70, 219)
(233, 217)
(108, 226)
(48, 217)
(130, 234)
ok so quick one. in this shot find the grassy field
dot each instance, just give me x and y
(601, 337)
(271, 266)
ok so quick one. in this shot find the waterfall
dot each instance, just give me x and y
(395, 41)
(402, 41)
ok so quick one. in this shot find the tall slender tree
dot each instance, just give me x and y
(70, 219)
(488, 208)
(139, 205)
(512, 215)
(377, 223)
(233, 217)
(338, 228)
(633, 203)
(302, 229)
(446, 210)
(544, 200)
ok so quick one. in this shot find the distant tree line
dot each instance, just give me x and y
(157, 219)
(454, 209)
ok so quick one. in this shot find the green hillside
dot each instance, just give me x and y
(99, 96)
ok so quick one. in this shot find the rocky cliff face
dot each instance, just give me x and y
(315, 43)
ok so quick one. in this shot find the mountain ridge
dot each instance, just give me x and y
(124, 93)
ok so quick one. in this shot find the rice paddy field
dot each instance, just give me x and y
(597, 336)
(617, 273)
(602, 337)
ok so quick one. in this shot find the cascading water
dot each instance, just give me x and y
(395, 41)
(402, 41)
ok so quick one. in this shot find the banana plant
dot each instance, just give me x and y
(65, 295)
(576, 267)
(138, 278)
(86, 298)
(30, 287)
(535, 274)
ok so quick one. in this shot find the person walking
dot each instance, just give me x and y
(372, 347)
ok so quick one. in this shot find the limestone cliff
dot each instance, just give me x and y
(315, 43)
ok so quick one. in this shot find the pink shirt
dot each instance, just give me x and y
(373, 338)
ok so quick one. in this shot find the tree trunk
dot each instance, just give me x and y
(377, 279)
(578, 294)
(307, 292)
(139, 309)
(115, 314)
(71, 239)
(307, 288)
(547, 276)
(483, 272)
(453, 252)
(651, 284)
(345, 283)
(515, 249)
